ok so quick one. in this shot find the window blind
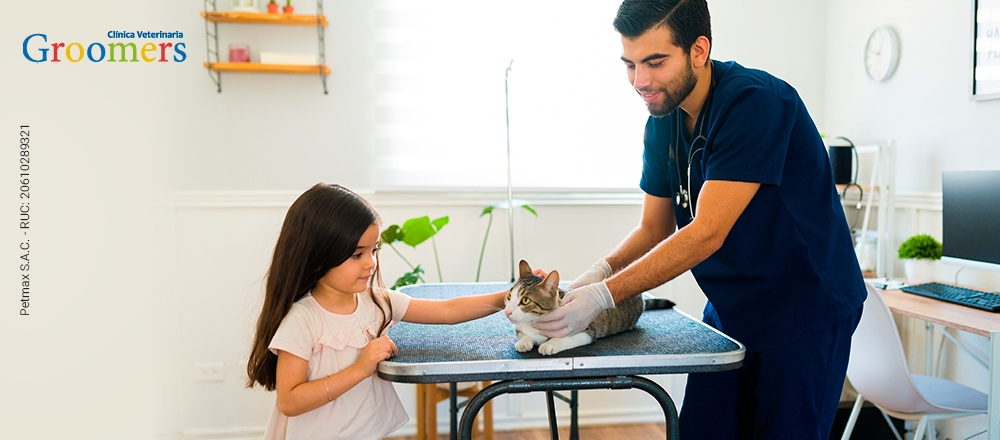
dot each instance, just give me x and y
(440, 104)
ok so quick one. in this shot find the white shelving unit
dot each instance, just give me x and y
(877, 178)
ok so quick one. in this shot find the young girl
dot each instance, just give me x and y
(321, 332)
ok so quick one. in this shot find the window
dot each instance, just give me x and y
(440, 111)
(986, 50)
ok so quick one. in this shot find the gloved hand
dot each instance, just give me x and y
(579, 308)
(600, 271)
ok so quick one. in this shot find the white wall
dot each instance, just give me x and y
(925, 105)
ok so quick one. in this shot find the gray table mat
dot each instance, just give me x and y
(664, 341)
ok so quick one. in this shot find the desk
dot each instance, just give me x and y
(663, 342)
(962, 318)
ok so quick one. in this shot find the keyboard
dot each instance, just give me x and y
(976, 299)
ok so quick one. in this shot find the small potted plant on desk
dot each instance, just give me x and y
(919, 253)
(272, 7)
(288, 9)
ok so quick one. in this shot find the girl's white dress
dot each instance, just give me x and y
(332, 342)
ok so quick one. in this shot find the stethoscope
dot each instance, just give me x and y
(684, 197)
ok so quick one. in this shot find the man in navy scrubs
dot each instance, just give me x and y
(738, 190)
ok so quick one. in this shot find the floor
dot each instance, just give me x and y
(643, 431)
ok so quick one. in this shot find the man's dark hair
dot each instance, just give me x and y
(686, 19)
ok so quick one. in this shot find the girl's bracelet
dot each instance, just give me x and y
(326, 384)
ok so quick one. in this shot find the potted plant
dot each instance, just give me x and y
(288, 9)
(919, 253)
(272, 7)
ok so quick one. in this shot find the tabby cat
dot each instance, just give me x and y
(533, 296)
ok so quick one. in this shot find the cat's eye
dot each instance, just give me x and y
(525, 301)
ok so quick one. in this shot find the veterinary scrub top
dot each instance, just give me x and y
(787, 268)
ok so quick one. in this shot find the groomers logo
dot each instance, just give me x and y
(138, 46)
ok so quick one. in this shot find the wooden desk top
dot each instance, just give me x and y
(949, 315)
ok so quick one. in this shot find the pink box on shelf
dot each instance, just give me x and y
(239, 53)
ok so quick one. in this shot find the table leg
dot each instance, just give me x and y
(928, 349)
(585, 383)
(553, 425)
(993, 406)
(453, 391)
(574, 428)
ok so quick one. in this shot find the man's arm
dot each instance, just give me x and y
(720, 204)
(655, 225)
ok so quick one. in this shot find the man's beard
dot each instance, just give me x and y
(675, 93)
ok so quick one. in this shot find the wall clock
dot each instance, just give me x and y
(881, 53)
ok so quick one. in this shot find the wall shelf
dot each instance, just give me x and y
(264, 18)
(215, 66)
(267, 68)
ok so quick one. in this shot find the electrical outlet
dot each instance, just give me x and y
(209, 372)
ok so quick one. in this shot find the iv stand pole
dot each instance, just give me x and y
(510, 192)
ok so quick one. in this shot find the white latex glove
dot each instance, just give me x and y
(579, 308)
(600, 271)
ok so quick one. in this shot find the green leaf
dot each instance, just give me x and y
(417, 230)
(391, 234)
(518, 203)
(409, 278)
(440, 222)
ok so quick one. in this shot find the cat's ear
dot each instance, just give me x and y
(551, 282)
(524, 268)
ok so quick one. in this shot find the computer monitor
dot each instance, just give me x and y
(971, 219)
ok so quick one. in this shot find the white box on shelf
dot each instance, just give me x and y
(287, 58)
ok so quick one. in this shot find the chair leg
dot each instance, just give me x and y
(421, 411)
(921, 429)
(849, 428)
(430, 409)
(891, 425)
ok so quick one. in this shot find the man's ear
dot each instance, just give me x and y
(700, 51)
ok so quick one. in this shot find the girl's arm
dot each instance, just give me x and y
(455, 310)
(297, 396)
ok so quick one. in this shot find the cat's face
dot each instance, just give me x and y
(531, 296)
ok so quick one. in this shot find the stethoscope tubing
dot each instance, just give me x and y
(684, 197)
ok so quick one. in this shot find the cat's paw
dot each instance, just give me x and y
(524, 345)
(552, 346)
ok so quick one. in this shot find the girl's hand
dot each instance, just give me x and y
(377, 350)
(539, 273)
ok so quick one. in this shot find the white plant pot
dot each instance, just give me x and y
(919, 270)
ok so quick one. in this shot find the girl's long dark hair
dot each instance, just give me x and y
(321, 230)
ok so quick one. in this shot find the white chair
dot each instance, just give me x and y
(879, 373)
